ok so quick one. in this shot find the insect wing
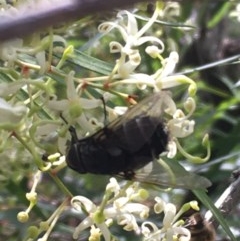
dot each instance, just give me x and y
(151, 106)
(172, 175)
(133, 129)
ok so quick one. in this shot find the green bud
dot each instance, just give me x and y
(23, 217)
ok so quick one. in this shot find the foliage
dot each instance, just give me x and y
(65, 71)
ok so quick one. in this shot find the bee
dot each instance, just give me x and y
(200, 229)
(127, 144)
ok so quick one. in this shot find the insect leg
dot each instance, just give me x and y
(105, 110)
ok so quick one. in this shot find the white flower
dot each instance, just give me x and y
(236, 13)
(128, 222)
(121, 209)
(125, 210)
(72, 107)
(170, 230)
(133, 37)
(113, 186)
(11, 115)
(8, 50)
(7, 89)
(181, 128)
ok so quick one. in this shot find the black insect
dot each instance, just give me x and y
(127, 144)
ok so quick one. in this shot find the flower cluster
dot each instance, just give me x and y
(122, 206)
(172, 227)
(118, 204)
(30, 107)
(236, 12)
(177, 119)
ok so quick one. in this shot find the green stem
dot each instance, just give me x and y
(61, 185)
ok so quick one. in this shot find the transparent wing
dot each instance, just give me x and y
(172, 175)
(133, 129)
(151, 106)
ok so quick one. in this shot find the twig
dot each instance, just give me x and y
(228, 200)
(43, 14)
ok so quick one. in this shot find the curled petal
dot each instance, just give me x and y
(184, 233)
(151, 39)
(132, 190)
(58, 38)
(181, 129)
(135, 58)
(159, 206)
(131, 27)
(105, 27)
(127, 68)
(179, 115)
(188, 128)
(148, 228)
(108, 26)
(79, 201)
(128, 221)
(145, 231)
(115, 47)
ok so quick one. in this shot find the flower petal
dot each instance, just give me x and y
(10, 116)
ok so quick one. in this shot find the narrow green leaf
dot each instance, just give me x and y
(203, 197)
(88, 62)
(221, 13)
